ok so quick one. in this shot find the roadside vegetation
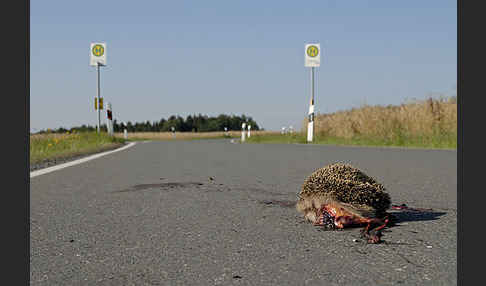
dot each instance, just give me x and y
(192, 123)
(49, 146)
(430, 123)
(187, 135)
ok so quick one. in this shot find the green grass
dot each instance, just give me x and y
(56, 146)
(444, 141)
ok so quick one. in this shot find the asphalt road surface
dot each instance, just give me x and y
(216, 213)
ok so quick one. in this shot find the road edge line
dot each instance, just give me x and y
(76, 162)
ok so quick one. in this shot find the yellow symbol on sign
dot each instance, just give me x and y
(96, 103)
(312, 51)
(98, 50)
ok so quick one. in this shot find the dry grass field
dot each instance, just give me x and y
(428, 122)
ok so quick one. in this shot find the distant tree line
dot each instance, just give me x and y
(192, 123)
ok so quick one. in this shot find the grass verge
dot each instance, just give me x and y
(443, 141)
(57, 146)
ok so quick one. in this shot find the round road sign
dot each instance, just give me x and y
(312, 51)
(98, 50)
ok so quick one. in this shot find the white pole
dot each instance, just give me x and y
(310, 126)
(243, 132)
(125, 133)
(249, 127)
(98, 95)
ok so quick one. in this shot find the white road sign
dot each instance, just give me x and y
(97, 53)
(312, 55)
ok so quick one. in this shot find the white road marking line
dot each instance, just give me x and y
(76, 162)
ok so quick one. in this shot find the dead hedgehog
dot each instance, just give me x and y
(339, 195)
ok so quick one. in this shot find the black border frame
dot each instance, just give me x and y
(15, 209)
(470, 121)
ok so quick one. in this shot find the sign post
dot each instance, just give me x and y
(312, 60)
(98, 58)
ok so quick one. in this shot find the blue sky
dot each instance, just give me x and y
(236, 57)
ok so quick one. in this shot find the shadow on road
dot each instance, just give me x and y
(407, 215)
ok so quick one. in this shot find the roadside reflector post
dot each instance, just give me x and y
(243, 125)
(226, 131)
(173, 131)
(109, 117)
(249, 128)
(312, 60)
(125, 133)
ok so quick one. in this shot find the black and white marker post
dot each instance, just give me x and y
(98, 59)
(109, 117)
(243, 127)
(312, 60)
